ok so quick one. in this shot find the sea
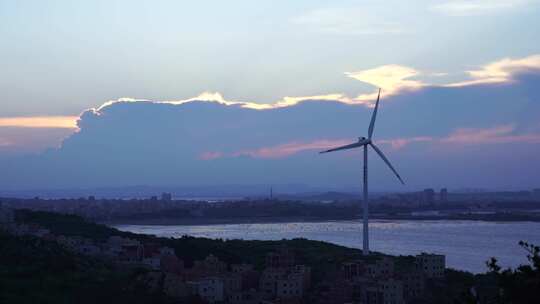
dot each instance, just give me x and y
(466, 244)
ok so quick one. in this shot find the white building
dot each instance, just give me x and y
(268, 281)
(175, 286)
(166, 251)
(295, 283)
(290, 287)
(210, 289)
(241, 268)
(154, 263)
(383, 267)
(433, 265)
(88, 248)
(6, 215)
(386, 291)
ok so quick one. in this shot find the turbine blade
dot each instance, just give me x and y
(346, 147)
(387, 162)
(374, 116)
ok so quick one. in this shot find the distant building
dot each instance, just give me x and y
(383, 267)
(131, 253)
(210, 289)
(285, 283)
(268, 281)
(295, 283)
(37, 231)
(335, 292)
(432, 265)
(165, 251)
(428, 196)
(245, 297)
(384, 292)
(352, 270)
(241, 268)
(414, 283)
(232, 283)
(175, 286)
(211, 265)
(282, 258)
(88, 248)
(444, 195)
(153, 263)
(536, 193)
(290, 287)
(6, 215)
(171, 264)
(250, 277)
(165, 196)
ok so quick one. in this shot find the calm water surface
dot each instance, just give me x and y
(466, 244)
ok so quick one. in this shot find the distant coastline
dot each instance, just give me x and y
(265, 220)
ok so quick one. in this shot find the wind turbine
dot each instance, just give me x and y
(364, 142)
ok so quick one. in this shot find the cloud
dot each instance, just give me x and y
(16, 140)
(210, 155)
(212, 140)
(494, 135)
(62, 122)
(295, 147)
(461, 136)
(5, 142)
(288, 149)
(390, 78)
(398, 143)
(393, 79)
(477, 7)
(347, 21)
(216, 97)
(500, 71)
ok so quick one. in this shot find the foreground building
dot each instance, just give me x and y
(432, 265)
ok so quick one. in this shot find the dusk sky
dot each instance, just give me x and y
(118, 93)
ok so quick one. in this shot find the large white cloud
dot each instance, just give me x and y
(432, 133)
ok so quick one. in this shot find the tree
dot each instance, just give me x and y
(520, 285)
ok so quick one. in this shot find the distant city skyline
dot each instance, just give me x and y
(119, 93)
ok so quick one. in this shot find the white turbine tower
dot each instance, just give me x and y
(364, 142)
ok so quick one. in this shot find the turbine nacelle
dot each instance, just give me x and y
(364, 140)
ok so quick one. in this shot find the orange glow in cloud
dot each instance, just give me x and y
(398, 143)
(287, 101)
(62, 122)
(288, 149)
(495, 135)
(393, 79)
(390, 78)
(500, 71)
(464, 136)
(210, 155)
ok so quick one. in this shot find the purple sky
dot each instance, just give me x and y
(481, 132)
(175, 93)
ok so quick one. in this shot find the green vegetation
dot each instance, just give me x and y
(313, 253)
(520, 285)
(68, 225)
(454, 289)
(36, 271)
(33, 270)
